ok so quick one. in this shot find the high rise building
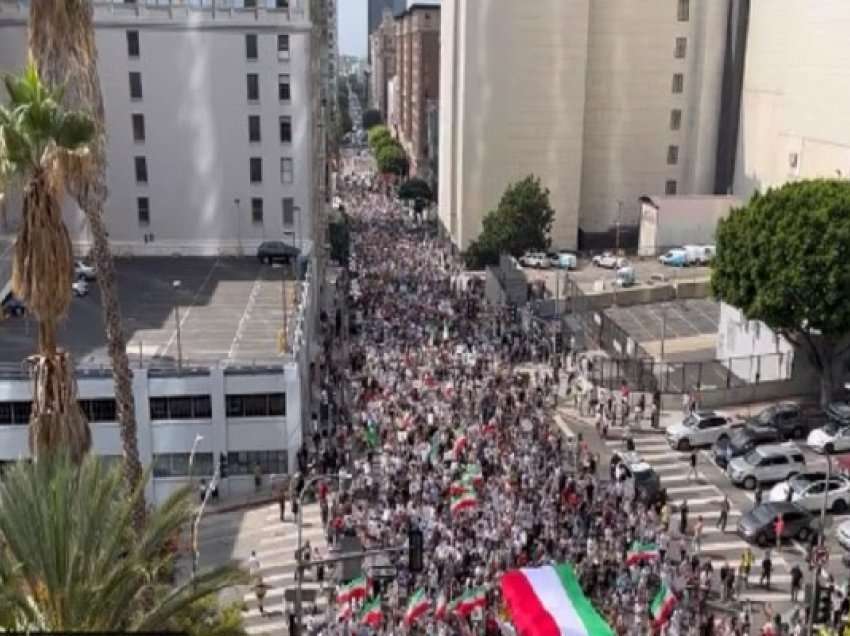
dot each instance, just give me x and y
(604, 101)
(382, 48)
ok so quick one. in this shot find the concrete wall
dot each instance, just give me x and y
(680, 220)
(795, 115)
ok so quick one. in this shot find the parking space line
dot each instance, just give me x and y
(246, 314)
(187, 310)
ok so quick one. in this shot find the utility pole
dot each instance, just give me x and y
(812, 609)
(176, 285)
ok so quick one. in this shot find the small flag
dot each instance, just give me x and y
(662, 605)
(344, 613)
(464, 501)
(458, 488)
(473, 474)
(354, 589)
(640, 552)
(470, 601)
(418, 604)
(371, 614)
(459, 444)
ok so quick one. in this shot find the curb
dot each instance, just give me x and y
(243, 505)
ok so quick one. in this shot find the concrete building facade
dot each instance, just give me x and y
(418, 79)
(215, 155)
(382, 51)
(604, 101)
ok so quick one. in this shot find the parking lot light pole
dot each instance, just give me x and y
(176, 285)
(821, 540)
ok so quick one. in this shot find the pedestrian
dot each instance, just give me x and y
(724, 514)
(693, 462)
(686, 404)
(683, 518)
(258, 477)
(260, 589)
(796, 582)
(766, 569)
(697, 541)
(758, 495)
(746, 565)
(202, 491)
(253, 564)
(281, 500)
(779, 530)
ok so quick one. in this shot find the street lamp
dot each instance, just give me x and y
(197, 441)
(238, 225)
(176, 285)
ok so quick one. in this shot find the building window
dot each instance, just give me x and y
(133, 43)
(253, 87)
(678, 83)
(138, 127)
(270, 462)
(100, 410)
(177, 464)
(135, 85)
(675, 119)
(288, 212)
(670, 187)
(253, 128)
(684, 10)
(281, 4)
(283, 92)
(286, 130)
(255, 165)
(181, 407)
(251, 46)
(282, 46)
(17, 413)
(256, 405)
(287, 170)
(672, 155)
(143, 210)
(257, 211)
(141, 170)
(250, 4)
(681, 48)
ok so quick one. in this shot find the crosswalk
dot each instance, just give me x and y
(703, 499)
(274, 542)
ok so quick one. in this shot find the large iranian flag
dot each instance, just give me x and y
(639, 552)
(371, 614)
(354, 589)
(663, 605)
(548, 601)
(464, 501)
(418, 604)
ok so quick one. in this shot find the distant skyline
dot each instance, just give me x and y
(351, 16)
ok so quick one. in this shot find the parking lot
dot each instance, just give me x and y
(681, 319)
(228, 308)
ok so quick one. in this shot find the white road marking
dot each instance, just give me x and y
(246, 314)
(184, 315)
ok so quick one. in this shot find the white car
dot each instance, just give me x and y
(842, 533)
(80, 287)
(766, 464)
(702, 428)
(535, 259)
(807, 490)
(831, 438)
(81, 270)
(608, 260)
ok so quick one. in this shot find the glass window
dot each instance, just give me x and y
(179, 408)
(672, 155)
(234, 406)
(141, 166)
(288, 212)
(138, 127)
(135, 85)
(201, 407)
(250, 4)
(256, 405)
(283, 44)
(287, 170)
(277, 404)
(255, 166)
(251, 46)
(133, 43)
(286, 129)
(675, 119)
(681, 48)
(102, 410)
(678, 83)
(5, 413)
(283, 91)
(684, 12)
(281, 4)
(177, 464)
(143, 210)
(253, 128)
(670, 187)
(22, 411)
(159, 408)
(270, 462)
(253, 87)
(256, 210)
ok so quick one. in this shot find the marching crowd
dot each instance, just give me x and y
(446, 428)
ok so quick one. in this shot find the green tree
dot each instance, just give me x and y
(39, 143)
(783, 259)
(371, 118)
(377, 136)
(206, 617)
(415, 188)
(521, 222)
(339, 236)
(391, 159)
(72, 561)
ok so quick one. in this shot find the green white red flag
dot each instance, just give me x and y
(371, 613)
(470, 601)
(459, 444)
(344, 613)
(663, 605)
(442, 607)
(418, 605)
(354, 589)
(464, 501)
(640, 552)
(472, 474)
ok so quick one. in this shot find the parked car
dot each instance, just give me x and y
(842, 533)
(810, 489)
(12, 306)
(271, 251)
(647, 484)
(607, 260)
(534, 259)
(787, 418)
(626, 277)
(80, 287)
(82, 270)
(830, 438)
(759, 524)
(766, 465)
(741, 442)
(676, 257)
(563, 260)
(838, 412)
(701, 428)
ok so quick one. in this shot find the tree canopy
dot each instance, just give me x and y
(391, 158)
(783, 259)
(521, 222)
(377, 136)
(415, 188)
(371, 118)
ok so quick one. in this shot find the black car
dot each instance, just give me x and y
(741, 442)
(277, 251)
(787, 419)
(646, 482)
(758, 525)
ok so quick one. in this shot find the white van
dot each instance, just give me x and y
(693, 254)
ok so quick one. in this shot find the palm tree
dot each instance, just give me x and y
(72, 560)
(39, 138)
(61, 40)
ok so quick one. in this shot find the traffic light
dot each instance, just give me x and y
(222, 465)
(823, 603)
(414, 549)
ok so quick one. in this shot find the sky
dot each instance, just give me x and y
(352, 27)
